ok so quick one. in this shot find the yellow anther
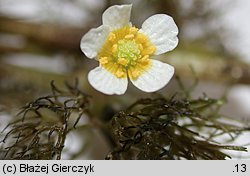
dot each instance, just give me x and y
(135, 73)
(114, 48)
(129, 36)
(103, 60)
(133, 30)
(141, 38)
(123, 61)
(152, 49)
(111, 36)
(119, 73)
(149, 50)
(145, 59)
(140, 47)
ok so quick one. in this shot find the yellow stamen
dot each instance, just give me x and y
(149, 50)
(123, 61)
(114, 48)
(140, 47)
(141, 38)
(111, 37)
(135, 73)
(119, 73)
(129, 36)
(145, 59)
(103, 60)
(133, 30)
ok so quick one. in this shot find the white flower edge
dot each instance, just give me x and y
(162, 32)
(93, 40)
(155, 78)
(114, 17)
(160, 28)
(117, 16)
(105, 82)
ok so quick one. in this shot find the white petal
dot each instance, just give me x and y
(93, 41)
(117, 16)
(107, 83)
(162, 32)
(154, 78)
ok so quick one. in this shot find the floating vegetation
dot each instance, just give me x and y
(42, 126)
(173, 128)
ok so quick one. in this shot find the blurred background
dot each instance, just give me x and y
(39, 42)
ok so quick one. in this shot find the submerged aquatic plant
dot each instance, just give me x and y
(43, 125)
(172, 128)
(125, 51)
(152, 128)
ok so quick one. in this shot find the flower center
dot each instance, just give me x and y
(126, 51)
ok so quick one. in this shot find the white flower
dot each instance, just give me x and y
(124, 51)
